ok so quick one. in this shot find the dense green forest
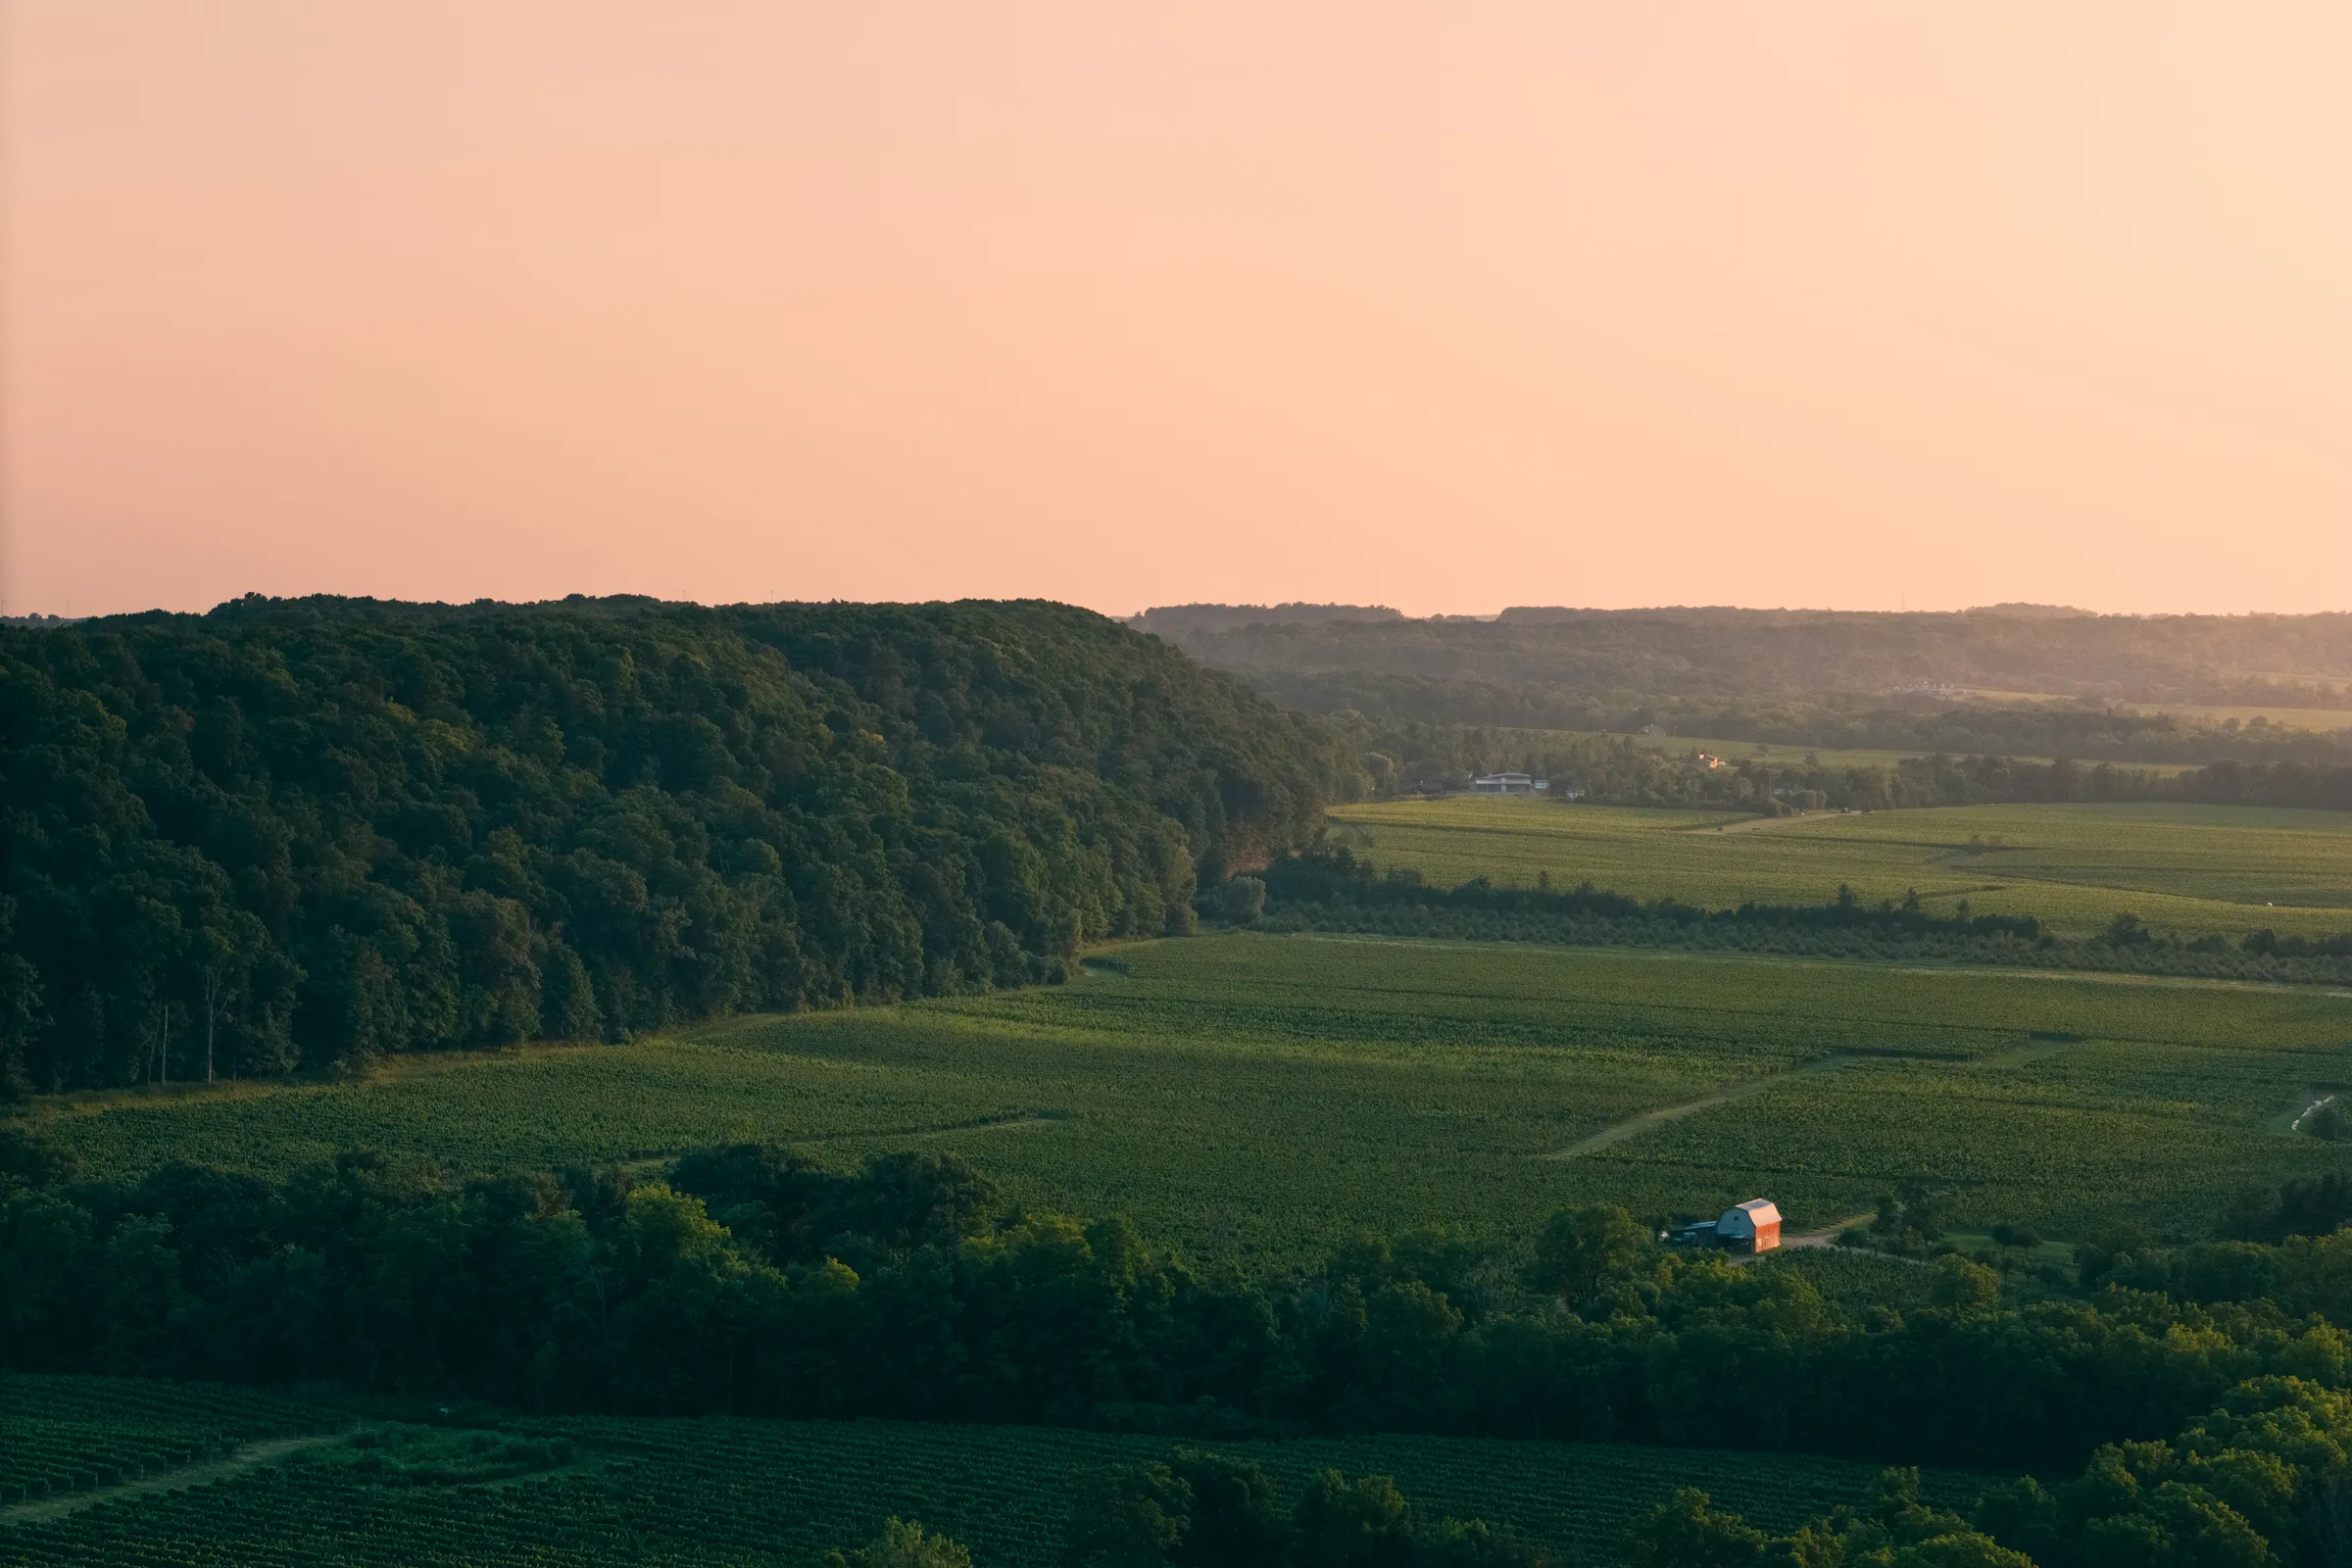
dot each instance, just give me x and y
(1580, 657)
(312, 832)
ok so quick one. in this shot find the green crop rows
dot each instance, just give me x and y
(695, 1493)
(1263, 1097)
(45, 1457)
(2061, 1141)
(68, 1434)
(2189, 868)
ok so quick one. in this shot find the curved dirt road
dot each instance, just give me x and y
(1619, 1132)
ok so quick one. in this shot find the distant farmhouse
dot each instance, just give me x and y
(1508, 784)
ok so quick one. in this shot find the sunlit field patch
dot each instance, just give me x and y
(2192, 870)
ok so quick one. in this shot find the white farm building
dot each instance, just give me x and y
(1508, 784)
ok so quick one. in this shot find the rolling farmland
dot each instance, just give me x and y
(1263, 1097)
(721, 1492)
(2186, 868)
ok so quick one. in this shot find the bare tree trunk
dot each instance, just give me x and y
(212, 1015)
(2330, 1524)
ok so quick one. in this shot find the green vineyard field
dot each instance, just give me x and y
(61, 1435)
(2188, 868)
(742, 1492)
(1263, 1097)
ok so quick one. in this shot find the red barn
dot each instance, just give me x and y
(1752, 1227)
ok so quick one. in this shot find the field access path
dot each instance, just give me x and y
(2037, 1046)
(245, 1456)
(1619, 1132)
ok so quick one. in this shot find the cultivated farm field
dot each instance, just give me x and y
(69, 1434)
(2192, 870)
(623, 1490)
(1260, 1098)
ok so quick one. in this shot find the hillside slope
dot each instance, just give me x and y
(314, 831)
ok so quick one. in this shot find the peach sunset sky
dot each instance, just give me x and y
(1442, 306)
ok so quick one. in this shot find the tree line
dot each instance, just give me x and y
(307, 833)
(1329, 888)
(746, 1280)
(2090, 733)
(2087, 732)
(2256, 1483)
(1199, 1509)
(1623, 770)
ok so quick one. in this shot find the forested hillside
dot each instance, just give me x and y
(310, 832)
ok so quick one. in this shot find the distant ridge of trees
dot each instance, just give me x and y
(1539, 615)
(1168, 619)
(2021, 609)
(310, 832)
(1717, 652)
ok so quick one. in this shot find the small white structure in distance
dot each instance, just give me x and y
(1508, 784)
(1751, 1227)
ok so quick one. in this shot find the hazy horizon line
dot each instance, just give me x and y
(2048, 610)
